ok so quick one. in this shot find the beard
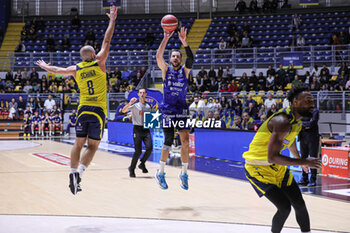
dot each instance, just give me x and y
(175, 64)
(305, 112)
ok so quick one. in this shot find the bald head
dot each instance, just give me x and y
(87, 53)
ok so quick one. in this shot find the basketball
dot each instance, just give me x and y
(169, 23)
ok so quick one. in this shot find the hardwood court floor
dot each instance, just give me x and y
(33, 186)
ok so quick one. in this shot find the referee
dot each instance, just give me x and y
(139, 133)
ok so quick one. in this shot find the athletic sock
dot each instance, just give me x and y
(161, 167)
(184, 168)
(73, 170)
(81, 169)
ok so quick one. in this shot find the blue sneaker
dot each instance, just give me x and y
(161, 180)
(184, 181)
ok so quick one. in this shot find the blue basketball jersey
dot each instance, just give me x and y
(175, 90)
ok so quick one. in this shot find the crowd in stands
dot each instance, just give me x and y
(24, 81)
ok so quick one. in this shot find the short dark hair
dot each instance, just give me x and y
(296, 91)
(176, 50)
(142, 89)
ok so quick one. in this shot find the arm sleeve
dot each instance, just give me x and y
(189, 59)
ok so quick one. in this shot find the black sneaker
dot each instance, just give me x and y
(131, 172)
(74, 181)
(142, 166)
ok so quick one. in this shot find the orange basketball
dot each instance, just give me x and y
(169, 23)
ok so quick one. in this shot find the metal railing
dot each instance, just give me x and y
(251, 58)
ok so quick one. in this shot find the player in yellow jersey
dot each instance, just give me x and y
(90, 75)
(265, 167)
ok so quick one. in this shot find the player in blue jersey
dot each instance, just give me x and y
(72, 121)
(46, 123)
(26, 125)
(36, 123)
(57, 123)
(175, 108)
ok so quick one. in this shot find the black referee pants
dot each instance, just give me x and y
(309, 146)
(141, 135)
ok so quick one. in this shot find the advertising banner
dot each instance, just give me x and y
(286, 59)
(308, 2)
(335, 161)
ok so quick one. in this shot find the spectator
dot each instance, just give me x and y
(212, 73)
(316, 71)
(238, 41)
(315, 83)
(252, 111)
(263, 118)
(344, 38)
(338, 46)
(217, 118)
(253, 6)
(49, 103)
(270, 83)
(34, 76)
(18, 78)
(27, 88)
(293, 41)
(222, 46)
(261, 81)
(90, 37)
(269, 102)
(76, 22)
(50, 44)
(241, 6)
(291, 72)
(20, 48)
(13, 106)
(252, 82)
(296, 22)
(25, 74)
(246, 41)
(39, 105)
(247, 122)
(119, 115)
(196, 106)
(272, 110)
(231, 29)
(274, 5)
(324, 68)
(262, 111)
(21, 105)
(66, 43)
(118, 73)
(149, 38)
(341, 79)
(344, 68)
(281, 73)
(270, 70)
(246, 27)
(133, 73)
(236, 105)
(210, 104)
(225, 104)
(233, 87)
(307, 78)
(220, 71)
(227, 73)
(232, 43)
(296, 80)
(202, 72)
(248, 101)
(211, 115)
(217, 105)
(143, 71)
(300, 41)
(237, 122)
(324, 78)
(125, 73)
(266, 6)
(325, 102)
(286, 102)
(279, 82)
(243, 82)
(28, 112)
(9, 76)
(31, 104)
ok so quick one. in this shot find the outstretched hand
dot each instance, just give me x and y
(42, 64)
(167, 34)
(182, 34)
(113, 12)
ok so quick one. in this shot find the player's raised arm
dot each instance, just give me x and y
(103, 54)
(189, 60)
(160, 52)
(71, 70)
